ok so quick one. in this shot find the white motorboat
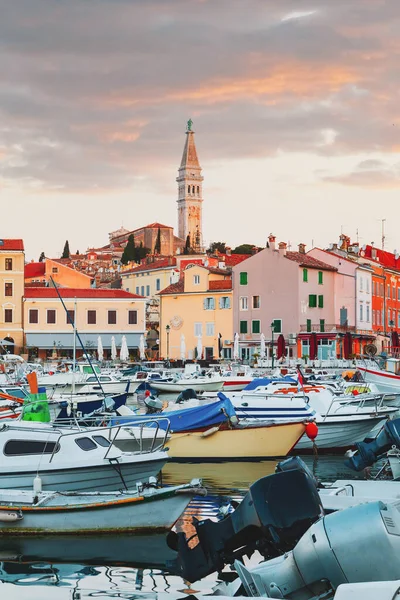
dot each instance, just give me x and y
(147, 509)
(387, 381)
(71, 458)
(198, 383)
(86, 379)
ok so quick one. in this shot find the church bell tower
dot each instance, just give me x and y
(190, 193)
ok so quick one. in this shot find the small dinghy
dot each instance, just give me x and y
(148, 509)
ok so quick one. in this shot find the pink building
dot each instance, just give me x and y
(289, 292)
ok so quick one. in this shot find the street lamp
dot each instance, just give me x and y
(272, 341)
(167, 328)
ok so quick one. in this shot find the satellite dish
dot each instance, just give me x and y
(362, 253)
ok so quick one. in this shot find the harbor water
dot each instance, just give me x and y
(133, 566)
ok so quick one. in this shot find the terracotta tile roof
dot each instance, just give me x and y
(158, 264)
(217, 271)
(50, 292)
(11, 244)
(156, 226)
(305, 260)
(234, 259)
(220, 284)
(174, 288)
(35, 269)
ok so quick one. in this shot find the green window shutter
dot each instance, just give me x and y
(308, 325)
(277, 326)
(243, 278)
(255, 326)
(312, 301)
(243, 326)
(320, 302)
(322, 325)
(305, 275)
(320, 277)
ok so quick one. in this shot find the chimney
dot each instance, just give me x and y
(302, 248)
(254, 250)
(228, 250)
(282, 247)
(271, 241)
(345, 242)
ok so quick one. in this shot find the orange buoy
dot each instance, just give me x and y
(311, 431)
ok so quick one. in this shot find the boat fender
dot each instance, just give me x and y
(37, 485)
(10, 517)
(311, 431)
(209, 432)
(234, 420)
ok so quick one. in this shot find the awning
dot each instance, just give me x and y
(47, 341)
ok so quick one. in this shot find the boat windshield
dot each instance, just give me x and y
(89, 369)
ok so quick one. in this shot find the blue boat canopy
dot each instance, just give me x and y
(187, 419)
(267, 380)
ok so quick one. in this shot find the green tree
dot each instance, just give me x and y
(187, 248)
(245, 249)
(217, 247)
(42, 257)
(157, 247)
(129, 251)
(66, 251)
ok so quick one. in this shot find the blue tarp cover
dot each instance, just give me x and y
(187, 419)
(266, 381)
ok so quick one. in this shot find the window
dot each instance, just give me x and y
(196, 279)
(86, 443)
(8, 264)
(51, 316)
(322, 325)
(277, 327)
(142, 290)
(381, 288)
(243, 303)
(112, 317)
(33, 315)
(320, 302)
(255, 327)
(147, 290)
(398, 293)
(227, 353)
(8, 289)
(54, 270)
(361, 284)
(28, 447)
(398, 319)
(305, 275)
(361, 312)
(367, 316)
(388, 291)
(256, 301)
(312, 301)
(137, 290)
(225, 302)
(243, 278)
(308, 325)
(158, 285)
(367, 282)
(210, 329)
(91, 317)
(132, 317)
(209, 303)
(70, 317)
(101, 440)
(320, 277)
(8, 315)
(198, 329)
(243, 327)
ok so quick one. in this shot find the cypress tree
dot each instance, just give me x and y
(157, 247)
(129, 251)
(42, 257)
(66, 251)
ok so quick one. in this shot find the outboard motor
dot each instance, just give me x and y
(358, 544)
(188, 394)
(271, 518)
(369, 452)
(153, 404)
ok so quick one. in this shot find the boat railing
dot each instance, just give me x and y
(148, 424)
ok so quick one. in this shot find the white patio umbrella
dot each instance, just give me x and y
(124, 352)
(142, 352)
(183, 347)
(100, 353)
(262, 346)
(113, 349)
(199, 347)
(236, 347)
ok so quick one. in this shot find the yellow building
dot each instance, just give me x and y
(99, 312)
(64, 276)
(150, 278)
(12, 260)
(199, 304)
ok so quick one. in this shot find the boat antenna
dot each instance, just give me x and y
(77, 335)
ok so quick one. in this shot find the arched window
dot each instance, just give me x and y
(193, 192)
(198, 190)
(188, 189)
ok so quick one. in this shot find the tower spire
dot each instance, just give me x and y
(190, 192)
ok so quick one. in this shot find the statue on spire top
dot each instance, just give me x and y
(189, 125)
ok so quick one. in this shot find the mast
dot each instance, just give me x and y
(74, 351)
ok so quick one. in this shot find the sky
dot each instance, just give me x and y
(295, 106)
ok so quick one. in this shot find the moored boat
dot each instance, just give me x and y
(148, 509)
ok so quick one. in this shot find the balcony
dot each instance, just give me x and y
(328, 328)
